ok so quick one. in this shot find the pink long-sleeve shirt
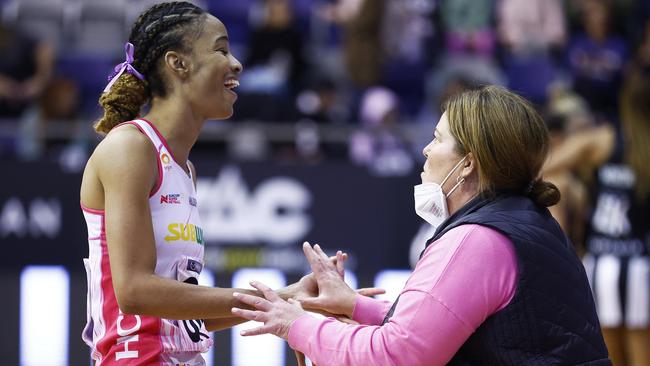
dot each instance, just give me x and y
(464, 277)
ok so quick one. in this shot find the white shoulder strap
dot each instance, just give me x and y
(151, 133)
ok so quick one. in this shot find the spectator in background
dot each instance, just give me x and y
(321, 102)
(531, 26)
(469, 46)
(379, 144)
(467, 26)
(406, 27)
(361, 21)
(25, 68)
(275, 61)
(596, 58)
(618, 238)
(531, 32)
(407, 37)
(277, 64)
(58, 103)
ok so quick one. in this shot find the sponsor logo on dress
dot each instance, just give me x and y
(192, 201)
(166, 161)
(184, 232)
(173, 198)
(165, 158)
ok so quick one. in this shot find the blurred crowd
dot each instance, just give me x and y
(379, 69)
(346, 79)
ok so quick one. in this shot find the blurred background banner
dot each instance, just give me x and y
(40, 216)
(253, 215)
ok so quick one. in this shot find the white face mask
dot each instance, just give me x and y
(431, 201)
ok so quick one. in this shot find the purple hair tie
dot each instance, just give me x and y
(124, 66)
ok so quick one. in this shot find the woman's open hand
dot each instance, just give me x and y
(334, 295)
(307, 287)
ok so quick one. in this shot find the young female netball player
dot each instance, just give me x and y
(138, 193)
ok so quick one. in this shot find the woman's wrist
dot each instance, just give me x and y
(351, 304)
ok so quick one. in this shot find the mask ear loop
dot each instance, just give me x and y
(460, 180)
(457, 179)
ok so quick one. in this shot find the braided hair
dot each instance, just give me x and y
(162, 27)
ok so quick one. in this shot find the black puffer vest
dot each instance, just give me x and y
(551, 319)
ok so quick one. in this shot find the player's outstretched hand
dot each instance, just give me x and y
(276, 314)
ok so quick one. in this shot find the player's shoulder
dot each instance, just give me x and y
(125, 145)
(125, 139)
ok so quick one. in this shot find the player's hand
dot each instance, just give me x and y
(276, 314)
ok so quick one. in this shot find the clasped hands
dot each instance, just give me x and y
(323, 291)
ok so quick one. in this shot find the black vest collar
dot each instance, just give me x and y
(471, 206)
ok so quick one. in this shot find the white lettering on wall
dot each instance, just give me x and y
(13, 219)
(45, 217)
(285, 194)
(42, 219)
(273, 212)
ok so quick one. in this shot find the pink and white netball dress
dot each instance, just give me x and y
(121, 339)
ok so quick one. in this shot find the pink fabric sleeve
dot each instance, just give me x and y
(463, 278)
(368, 310)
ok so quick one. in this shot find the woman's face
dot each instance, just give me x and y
(213, 73)
(442, 156)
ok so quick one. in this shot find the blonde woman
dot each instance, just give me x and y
(498, 284)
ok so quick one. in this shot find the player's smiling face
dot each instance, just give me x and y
(214, 72)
